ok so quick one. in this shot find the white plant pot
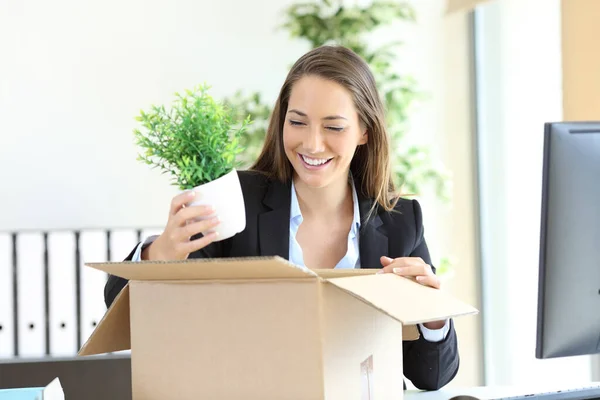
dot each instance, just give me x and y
(225, 196)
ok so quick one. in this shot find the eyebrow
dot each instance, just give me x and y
(329, 117)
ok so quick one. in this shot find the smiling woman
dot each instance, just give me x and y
(329, 103)
(320, 141)
(321, 195)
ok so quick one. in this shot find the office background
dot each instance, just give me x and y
(73, 75)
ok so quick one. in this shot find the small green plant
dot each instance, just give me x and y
(196, 140)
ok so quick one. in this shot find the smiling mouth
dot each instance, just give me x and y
(314, 162)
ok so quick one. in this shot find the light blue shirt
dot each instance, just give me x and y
(352, 257)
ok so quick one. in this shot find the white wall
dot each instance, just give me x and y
(519, 89)
(438, 54)
(75, 74)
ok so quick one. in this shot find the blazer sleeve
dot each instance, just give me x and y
(429, 365)
(115, 284)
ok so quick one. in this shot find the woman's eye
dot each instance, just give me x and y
(335, 128)
(295, 123)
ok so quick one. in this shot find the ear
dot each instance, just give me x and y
(364, 138)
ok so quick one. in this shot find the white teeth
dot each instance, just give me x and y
(314, 161)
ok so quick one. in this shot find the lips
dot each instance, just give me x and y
(314, 163)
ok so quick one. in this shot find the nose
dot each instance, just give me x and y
(313, 142)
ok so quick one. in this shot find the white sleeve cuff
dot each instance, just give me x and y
(435, 335)
(137, 256)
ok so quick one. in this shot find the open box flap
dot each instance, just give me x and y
(343, 272)
(113, 332)
(205, 269)
(403, 299)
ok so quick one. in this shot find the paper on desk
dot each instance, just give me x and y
(53, 391)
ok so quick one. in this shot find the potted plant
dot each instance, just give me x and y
(196, 141)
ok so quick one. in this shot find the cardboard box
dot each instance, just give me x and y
(263, 328)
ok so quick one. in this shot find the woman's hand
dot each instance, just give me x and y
(174, 243)
(413, 267)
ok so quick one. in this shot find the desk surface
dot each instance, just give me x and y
(89, 378)
(109, 377)
(494, 393)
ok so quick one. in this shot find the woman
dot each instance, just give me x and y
(321, 195)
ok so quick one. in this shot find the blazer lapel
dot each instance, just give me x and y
(373, 240)
(274, 225)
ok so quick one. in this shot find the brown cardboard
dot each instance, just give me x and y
(357, 337)
(202, 269)
(264, 328)
(112, 333)
(285, 355)
(387, 293)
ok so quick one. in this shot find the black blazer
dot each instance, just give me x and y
(428, 365)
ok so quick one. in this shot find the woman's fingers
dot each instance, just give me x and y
(191, 213)
(429, 280)
(411, 267)
(413, 270)
(185, 222)
(180, 200)
(194, 228)
(197, 244)
(403, 262)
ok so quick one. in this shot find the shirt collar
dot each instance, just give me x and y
(296, 214)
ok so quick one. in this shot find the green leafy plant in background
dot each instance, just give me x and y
(252, 138)
(196, 140)
(322, 22)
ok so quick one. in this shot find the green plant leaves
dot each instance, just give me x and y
(196, 140)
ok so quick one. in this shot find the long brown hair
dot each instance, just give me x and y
(370, 165)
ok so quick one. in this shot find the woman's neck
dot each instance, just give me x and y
(324, 202)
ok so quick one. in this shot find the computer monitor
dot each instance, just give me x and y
(568, 322)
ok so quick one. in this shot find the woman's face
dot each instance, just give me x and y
(321, 131)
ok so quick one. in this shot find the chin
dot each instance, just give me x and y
(313, 181)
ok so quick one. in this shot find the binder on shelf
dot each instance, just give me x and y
(7, 330)
(61, 294)
(122, 242)
(31, 289)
